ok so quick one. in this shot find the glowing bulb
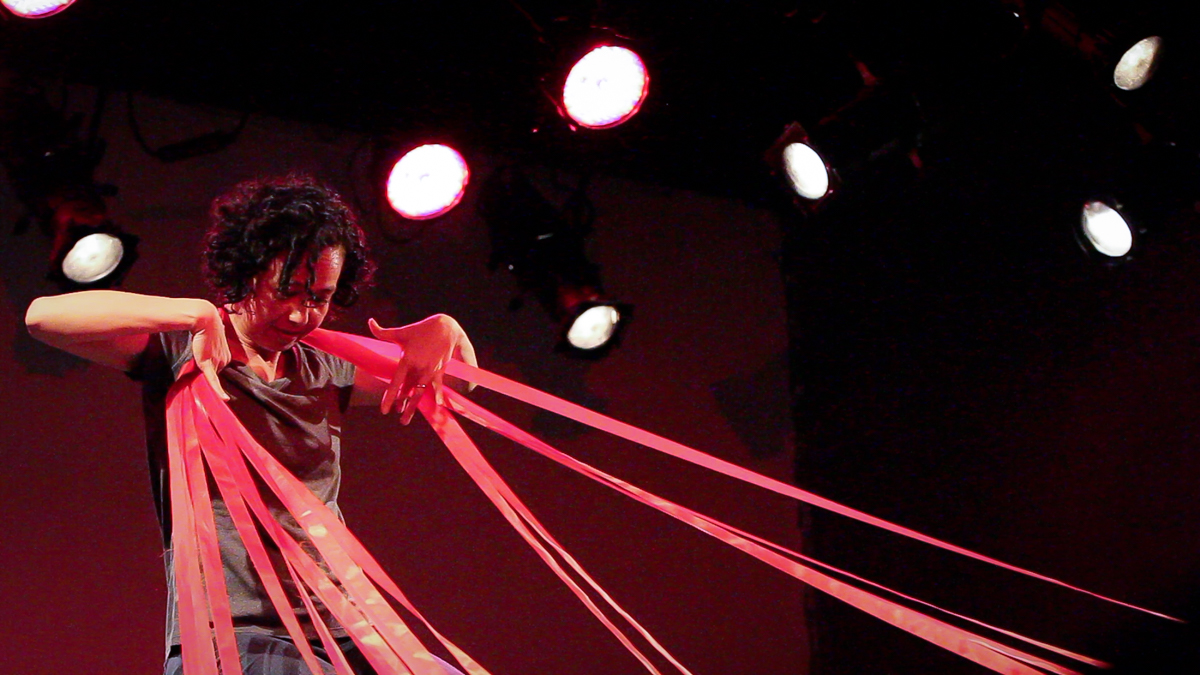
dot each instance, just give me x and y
(1137, 64)
(606, 87)
(92, 258)
(594, 327)
(427, 182)
(806, 171)
(1106, 229)
(36, 9)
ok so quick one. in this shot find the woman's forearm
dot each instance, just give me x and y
(92, 316)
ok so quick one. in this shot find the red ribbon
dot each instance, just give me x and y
(347, 580)
(202, 427)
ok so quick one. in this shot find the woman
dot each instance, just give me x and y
(279, 255)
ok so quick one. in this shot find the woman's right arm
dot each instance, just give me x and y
(112, 327)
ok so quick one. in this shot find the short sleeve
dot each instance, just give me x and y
(163, 358)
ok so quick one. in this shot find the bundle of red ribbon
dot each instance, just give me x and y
(351, 584)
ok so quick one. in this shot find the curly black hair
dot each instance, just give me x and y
(256, 221)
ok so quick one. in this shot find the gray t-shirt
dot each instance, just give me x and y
(297, 418)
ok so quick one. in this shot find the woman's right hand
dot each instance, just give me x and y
(210, 349)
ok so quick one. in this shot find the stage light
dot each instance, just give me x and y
(427, 182)
(92, 258)
(606, 87)
(1123, 45)
(806, 170)
(876, 133)
(1138, 63)
(52, 172)
(36, 9)
(1106, 230)
(593, 327)
(542, 243)
(89, 250)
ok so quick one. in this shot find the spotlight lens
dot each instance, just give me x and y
(806, 171)
(594, 327)
(36, 9)
(1106, 229)
(92, 258)
(1138, 63)
(427, 182)
(606, 87)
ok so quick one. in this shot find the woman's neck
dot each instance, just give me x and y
(266, 364)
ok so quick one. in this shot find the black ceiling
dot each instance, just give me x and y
(726, 77)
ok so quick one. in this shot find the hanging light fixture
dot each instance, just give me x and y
(1138, 63)
(428, 181)
(1125, 49)
(1103, 228)
(89, 250)
(814, 166)
(36, 9)
(605, 87)
(542, 245)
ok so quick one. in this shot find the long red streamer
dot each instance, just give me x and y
(309, 509)
(523, 520)
(224, 466)
(202, 429)
(380, 359)
(194, 634)
(940, 633)
(381, 634)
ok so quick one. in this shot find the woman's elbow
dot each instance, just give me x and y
(38, 317)
(35, 315)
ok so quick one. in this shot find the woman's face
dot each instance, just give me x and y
(278, 313)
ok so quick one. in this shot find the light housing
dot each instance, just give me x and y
(1123, 46)
(36, 9)
(542, 244)
(1137, 65)
(1105, 231)
(807, 171)
(590, 325)
(92, 256)
(427, 182)
(606, 87)
(814, 165)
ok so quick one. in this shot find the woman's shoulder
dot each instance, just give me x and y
(319, 368)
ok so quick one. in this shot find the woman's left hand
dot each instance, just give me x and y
(428, 346)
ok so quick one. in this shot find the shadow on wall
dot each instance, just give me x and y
(754, 403)
(23, 273)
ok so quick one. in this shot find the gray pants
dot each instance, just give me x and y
(269, 655)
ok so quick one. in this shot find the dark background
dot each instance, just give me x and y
(957, 363)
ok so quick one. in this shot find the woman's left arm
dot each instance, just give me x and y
(428, 345)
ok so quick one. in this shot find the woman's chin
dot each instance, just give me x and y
(277, 340)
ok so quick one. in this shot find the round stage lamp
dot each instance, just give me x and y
(1106, 230)
(1138, 63)
(427, 182)
(606, 87)
(36, 9)
(92, 258)
(806, 171)
(594, 327)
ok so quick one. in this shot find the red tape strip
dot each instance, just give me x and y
(220, 459)
(381, 634)
(944, 635)
(522, 520)
(379, 358)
